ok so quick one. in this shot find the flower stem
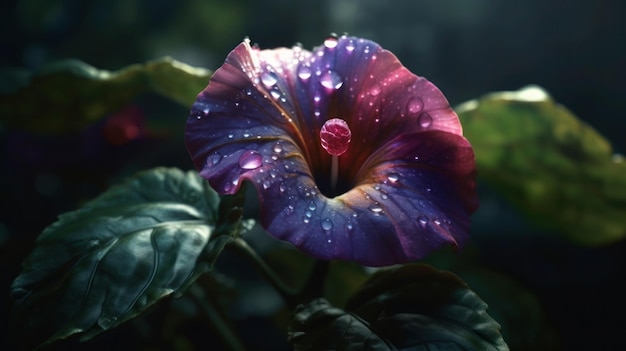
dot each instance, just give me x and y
(334, 172)
(312, 288)
(228, 336)
(288, 294)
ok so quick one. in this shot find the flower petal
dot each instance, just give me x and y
(407, 179)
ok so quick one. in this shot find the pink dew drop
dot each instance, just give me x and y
(415, 105)
(425, 120)
(375, 90)
(335, 136)
(250, 160)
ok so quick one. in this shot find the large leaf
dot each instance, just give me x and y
(525, 325)
(555, 168)
(67, 95)
(110, 260)
(407, 307)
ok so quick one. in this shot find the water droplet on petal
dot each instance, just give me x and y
(275, 94)
(422, 220)
(106, 322)
(349, 226)
(215, 158)
(376, 209)
(269, 79)
(250, 160)
(308, 214)
(425, 120)
(350, 46)
(289, 209)
(327, 224)
(375, 90)
(231, 135)
(331, 80)
(393, 177)
(277, 148)
(312, 206)
(415, 105)
(266, 184)
(304, 72)
(282, 187)
(331, 43)
(306, 220)
(437, 221)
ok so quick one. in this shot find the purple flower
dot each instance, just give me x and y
(353, 156)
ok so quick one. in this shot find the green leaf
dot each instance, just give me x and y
(320, 326)
(556, 169)
(109, 261)
(525, 325)
(406, 307)
(67, 95)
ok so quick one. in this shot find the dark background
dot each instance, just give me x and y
(574, 49)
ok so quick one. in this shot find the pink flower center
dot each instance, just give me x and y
(335, 136)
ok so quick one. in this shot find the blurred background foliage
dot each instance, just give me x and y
(545, 289)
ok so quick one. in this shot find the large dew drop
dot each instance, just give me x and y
(393, 177)
(331, 80)
(422, 220)
(215, 158)
(331, 43)
(327, 224)
(415, 105)
(269, 79)
(304, 72)
(425, 120)
(250, 160)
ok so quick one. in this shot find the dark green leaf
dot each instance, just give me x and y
(319, 326)
(407, 307)
(68, 95)
(555, 168)
(525, 325)
(116, 256)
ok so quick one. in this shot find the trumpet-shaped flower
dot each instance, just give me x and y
(353, 156)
